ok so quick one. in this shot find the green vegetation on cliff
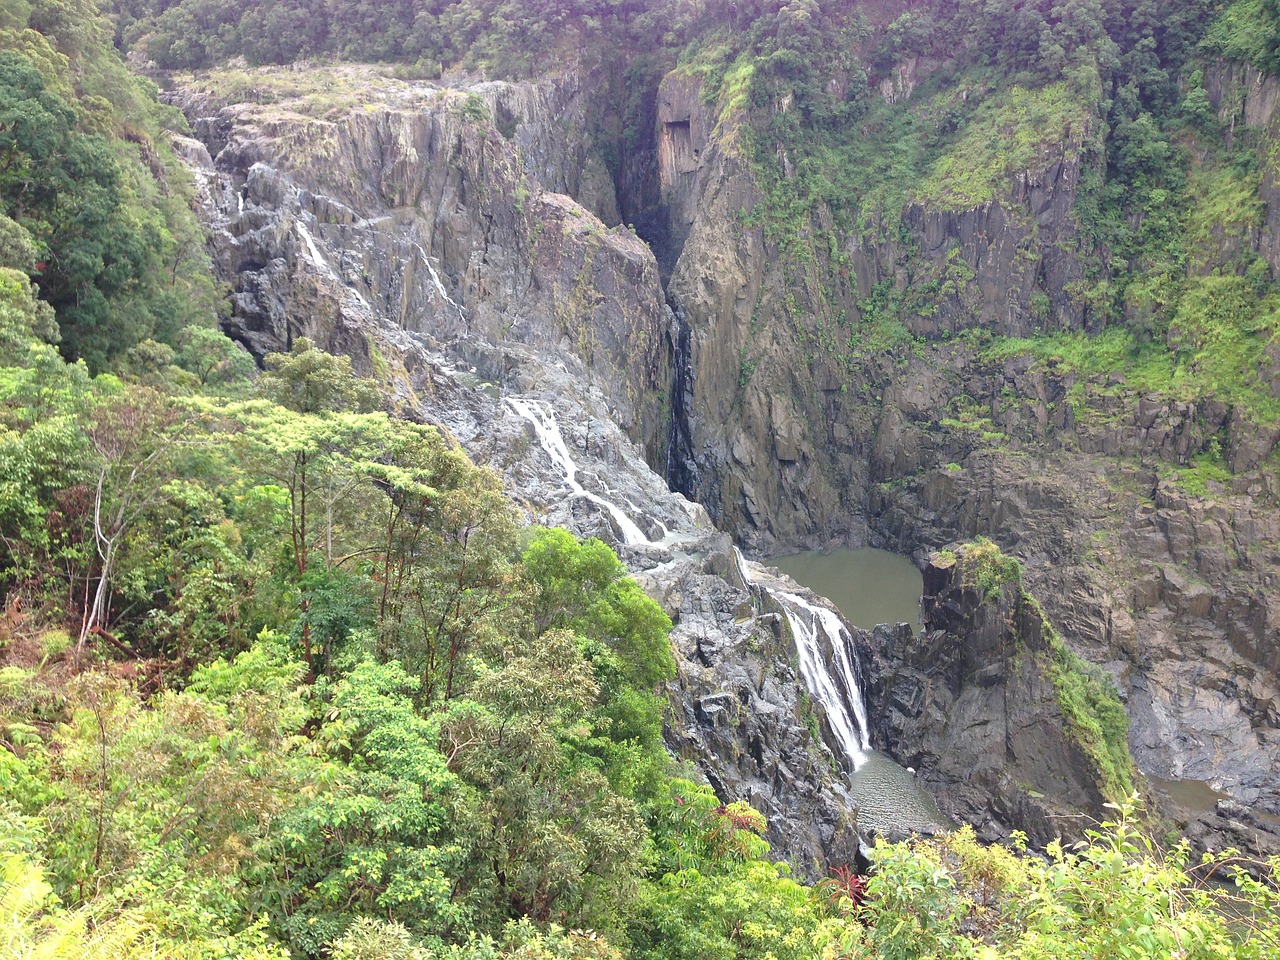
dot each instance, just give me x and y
(94, 207)
(1248, 31)
(280, 675)
(1087, 695)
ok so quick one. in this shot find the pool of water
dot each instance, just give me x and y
(891, 801)
(868, 586)
(1194, 795)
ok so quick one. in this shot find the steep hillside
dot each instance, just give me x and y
(934, 286)
(401, 623)
(95, 207)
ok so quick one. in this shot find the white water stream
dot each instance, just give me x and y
(544, 423)
(437, 282)
(832, 681)
(313, 252)
(318, 259)
(838, 689)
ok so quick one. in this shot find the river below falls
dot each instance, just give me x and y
(869, 587)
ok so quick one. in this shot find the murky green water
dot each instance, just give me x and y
(891, 801)
(1194, 795)
(868, 586)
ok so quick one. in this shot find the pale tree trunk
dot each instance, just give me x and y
(136, 492)
(96, 611)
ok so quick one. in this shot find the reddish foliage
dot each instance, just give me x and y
(844, 888)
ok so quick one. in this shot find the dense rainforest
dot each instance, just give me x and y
(283, 674)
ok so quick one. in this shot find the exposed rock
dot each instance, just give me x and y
(971, 706)
(421, 242)
(416, 210)
(1246, 98)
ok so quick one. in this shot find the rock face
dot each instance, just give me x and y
(768, 402)
(1245, 96)
(970, 704)
(791, 444)
(439, 210)
(463, 245)
(743, 703)
(431, 245)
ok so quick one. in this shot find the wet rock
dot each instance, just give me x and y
(410, 211)
(440, 253)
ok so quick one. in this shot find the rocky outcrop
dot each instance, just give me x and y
(437, 210)
(972, 705)
(743, 703)
(1247, 101)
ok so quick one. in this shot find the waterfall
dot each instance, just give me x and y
(322, 264)
(313, 252)
(437, 282)
(544, 424)
(838, 691)
(834, 682)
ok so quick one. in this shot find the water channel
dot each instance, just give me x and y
(870, 587)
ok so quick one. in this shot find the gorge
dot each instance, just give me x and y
(476, 228)
(640, 479)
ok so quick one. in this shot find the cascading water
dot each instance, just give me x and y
(838, 689)
(889, 798)
(544, 423)
(437, 283)
(832, 681)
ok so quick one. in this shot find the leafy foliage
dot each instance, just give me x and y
(91, 193)
(280, 677)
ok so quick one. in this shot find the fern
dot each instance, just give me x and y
(33, 927)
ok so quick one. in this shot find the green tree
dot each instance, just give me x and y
(582, 586)
(388, 836)
(138, 438)
(552, 840)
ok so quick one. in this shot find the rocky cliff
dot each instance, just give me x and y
(456, 242)
(796, 439)
(973, 706)
(448, 212)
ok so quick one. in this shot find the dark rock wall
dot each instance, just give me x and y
(450, 225)
(971, 707)
(792, 445)
(481, 238)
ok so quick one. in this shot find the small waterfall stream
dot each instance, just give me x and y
(539, 414)
(836, 685)
(437, 283)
